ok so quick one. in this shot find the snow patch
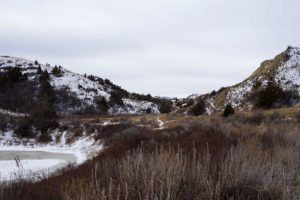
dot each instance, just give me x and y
(160, 123)
(84, 88)
(83, 148)
(10, 170)
(13, 114)
(134, 107)
(236, 96)
(288, 73)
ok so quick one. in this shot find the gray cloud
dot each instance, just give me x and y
(163, 47)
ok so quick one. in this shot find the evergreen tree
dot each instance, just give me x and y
(165, 106)
(39, 70)
(44, 116)
(46, 88)
(102, 104)
(44, 76)
(91, 77)
(56, 70)
(199, 108)
(228, 110)
(270, 95)
(116, 98)
(14, 75)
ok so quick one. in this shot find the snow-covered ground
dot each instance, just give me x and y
(237, 95)
(81, 86)
(84, 88)
(160, 123)
(34, 167)
(13, 114)
(81, 149)
(288, 73)
(287, 76)
(134, 107)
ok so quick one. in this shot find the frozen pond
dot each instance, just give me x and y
(24, 164)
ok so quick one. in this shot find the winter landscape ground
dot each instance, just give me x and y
(70, 136)
(149, 100)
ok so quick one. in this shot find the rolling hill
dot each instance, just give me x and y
(74, 93)
(277, 80)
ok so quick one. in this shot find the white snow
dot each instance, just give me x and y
(84, 88)
(287, 76)
(6, 61)
(134, 107)
(8, 136)
(13, 114)
(63, 139)
(160, 123)
(210, 107)
(288, 73)
(83, 147)
(10, 170)
(236, 95)
(193, 96)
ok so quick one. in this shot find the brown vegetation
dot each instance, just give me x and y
(252, 156)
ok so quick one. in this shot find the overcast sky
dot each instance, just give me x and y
(162, 47)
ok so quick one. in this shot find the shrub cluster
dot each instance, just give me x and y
(56, 71)
(16, 91)
(102, 104)
(116, 98)
(273, 96)
(257, 118)
(228, 111)
(189, 161)
(199, 108)
(165, 106)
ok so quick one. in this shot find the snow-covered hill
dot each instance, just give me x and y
(84, 88)
(283, 70)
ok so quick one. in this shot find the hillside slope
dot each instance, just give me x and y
(283, 72)
(77, 93)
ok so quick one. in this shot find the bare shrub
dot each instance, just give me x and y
(152, 122)
(165, 106)
(77, 131)
(276, 116)
(297, 116)
(256, 118)
(64, 127)
(24, 129)
(89, 129)
(199, 108)
(131, 135)
(169, 173)
(228, 111)
(189, 161)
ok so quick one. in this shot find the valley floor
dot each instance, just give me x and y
(250, 155)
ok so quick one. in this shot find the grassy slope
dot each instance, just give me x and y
(267, 69)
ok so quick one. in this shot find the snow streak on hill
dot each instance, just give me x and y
(82, 87)
(283, 70)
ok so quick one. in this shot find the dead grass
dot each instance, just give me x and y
(269, 67)
(193, 158)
